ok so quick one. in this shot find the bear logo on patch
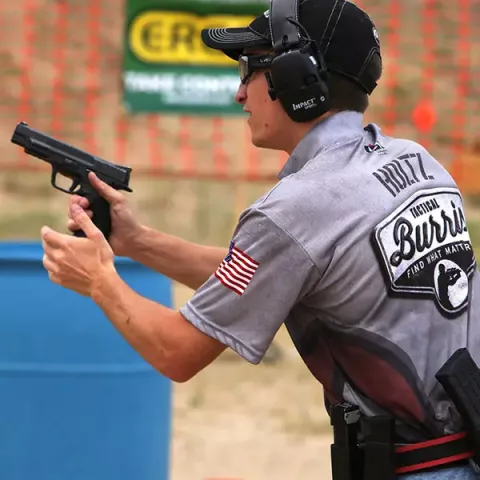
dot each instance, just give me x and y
(451, 285)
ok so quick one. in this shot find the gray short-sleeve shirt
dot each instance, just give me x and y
(363, 251)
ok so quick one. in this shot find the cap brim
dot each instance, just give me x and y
(233, 41)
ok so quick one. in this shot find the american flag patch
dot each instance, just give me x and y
(236, 270)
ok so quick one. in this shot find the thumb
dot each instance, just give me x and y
(106, 191)
(84, 222)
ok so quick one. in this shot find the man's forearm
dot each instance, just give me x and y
(185, 262)
(162, 336)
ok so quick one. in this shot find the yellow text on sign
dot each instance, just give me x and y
(174, 37)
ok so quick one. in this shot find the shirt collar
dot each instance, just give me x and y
(334, 129)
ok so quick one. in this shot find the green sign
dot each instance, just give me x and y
(167, 68)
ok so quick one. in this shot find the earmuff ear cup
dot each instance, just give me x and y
(299, 85)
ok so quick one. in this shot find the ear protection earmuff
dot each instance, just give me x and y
(298, 73)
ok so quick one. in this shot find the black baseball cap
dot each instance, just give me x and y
(345, 35)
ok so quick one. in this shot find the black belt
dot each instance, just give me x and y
(375, 456)
(432, 453)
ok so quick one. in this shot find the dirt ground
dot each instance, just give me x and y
(238, 421)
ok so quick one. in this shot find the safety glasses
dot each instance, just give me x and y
(248, 64)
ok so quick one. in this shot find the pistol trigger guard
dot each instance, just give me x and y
(54, 182)
(74, 185)
(53, 178)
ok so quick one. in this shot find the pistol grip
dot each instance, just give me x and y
(101, 217)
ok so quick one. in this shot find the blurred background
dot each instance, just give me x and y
(129, 81)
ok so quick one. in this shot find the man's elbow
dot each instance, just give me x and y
(179, 371)
(183, 366)
(181, 375)
(182, 360)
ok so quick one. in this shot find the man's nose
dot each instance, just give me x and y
(241, 95)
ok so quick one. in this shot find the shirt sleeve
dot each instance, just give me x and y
(250, 295)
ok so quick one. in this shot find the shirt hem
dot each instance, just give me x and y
(245, 351)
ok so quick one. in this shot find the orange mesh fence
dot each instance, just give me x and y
(61, 71)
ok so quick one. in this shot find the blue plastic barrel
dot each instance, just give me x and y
(76, 401)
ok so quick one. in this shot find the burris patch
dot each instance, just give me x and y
(425, 248)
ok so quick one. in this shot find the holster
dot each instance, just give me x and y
(347, 461)
(364, 446)
(460, 377)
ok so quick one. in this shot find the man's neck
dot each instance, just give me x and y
(298, 131)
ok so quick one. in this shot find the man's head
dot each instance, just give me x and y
(349, 51)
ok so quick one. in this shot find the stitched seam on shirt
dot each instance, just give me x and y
(258, 210)
(255, 354)
(328, 149)
(286, 232)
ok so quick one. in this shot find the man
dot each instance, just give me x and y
(361, 249)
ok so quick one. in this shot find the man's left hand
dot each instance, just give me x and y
(78, 264)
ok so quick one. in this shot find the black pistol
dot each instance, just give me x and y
(75, 164)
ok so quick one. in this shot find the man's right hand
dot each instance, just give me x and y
(124, 226)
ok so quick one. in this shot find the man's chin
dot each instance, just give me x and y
(262, 138)
(263, 142)
(258, 140)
